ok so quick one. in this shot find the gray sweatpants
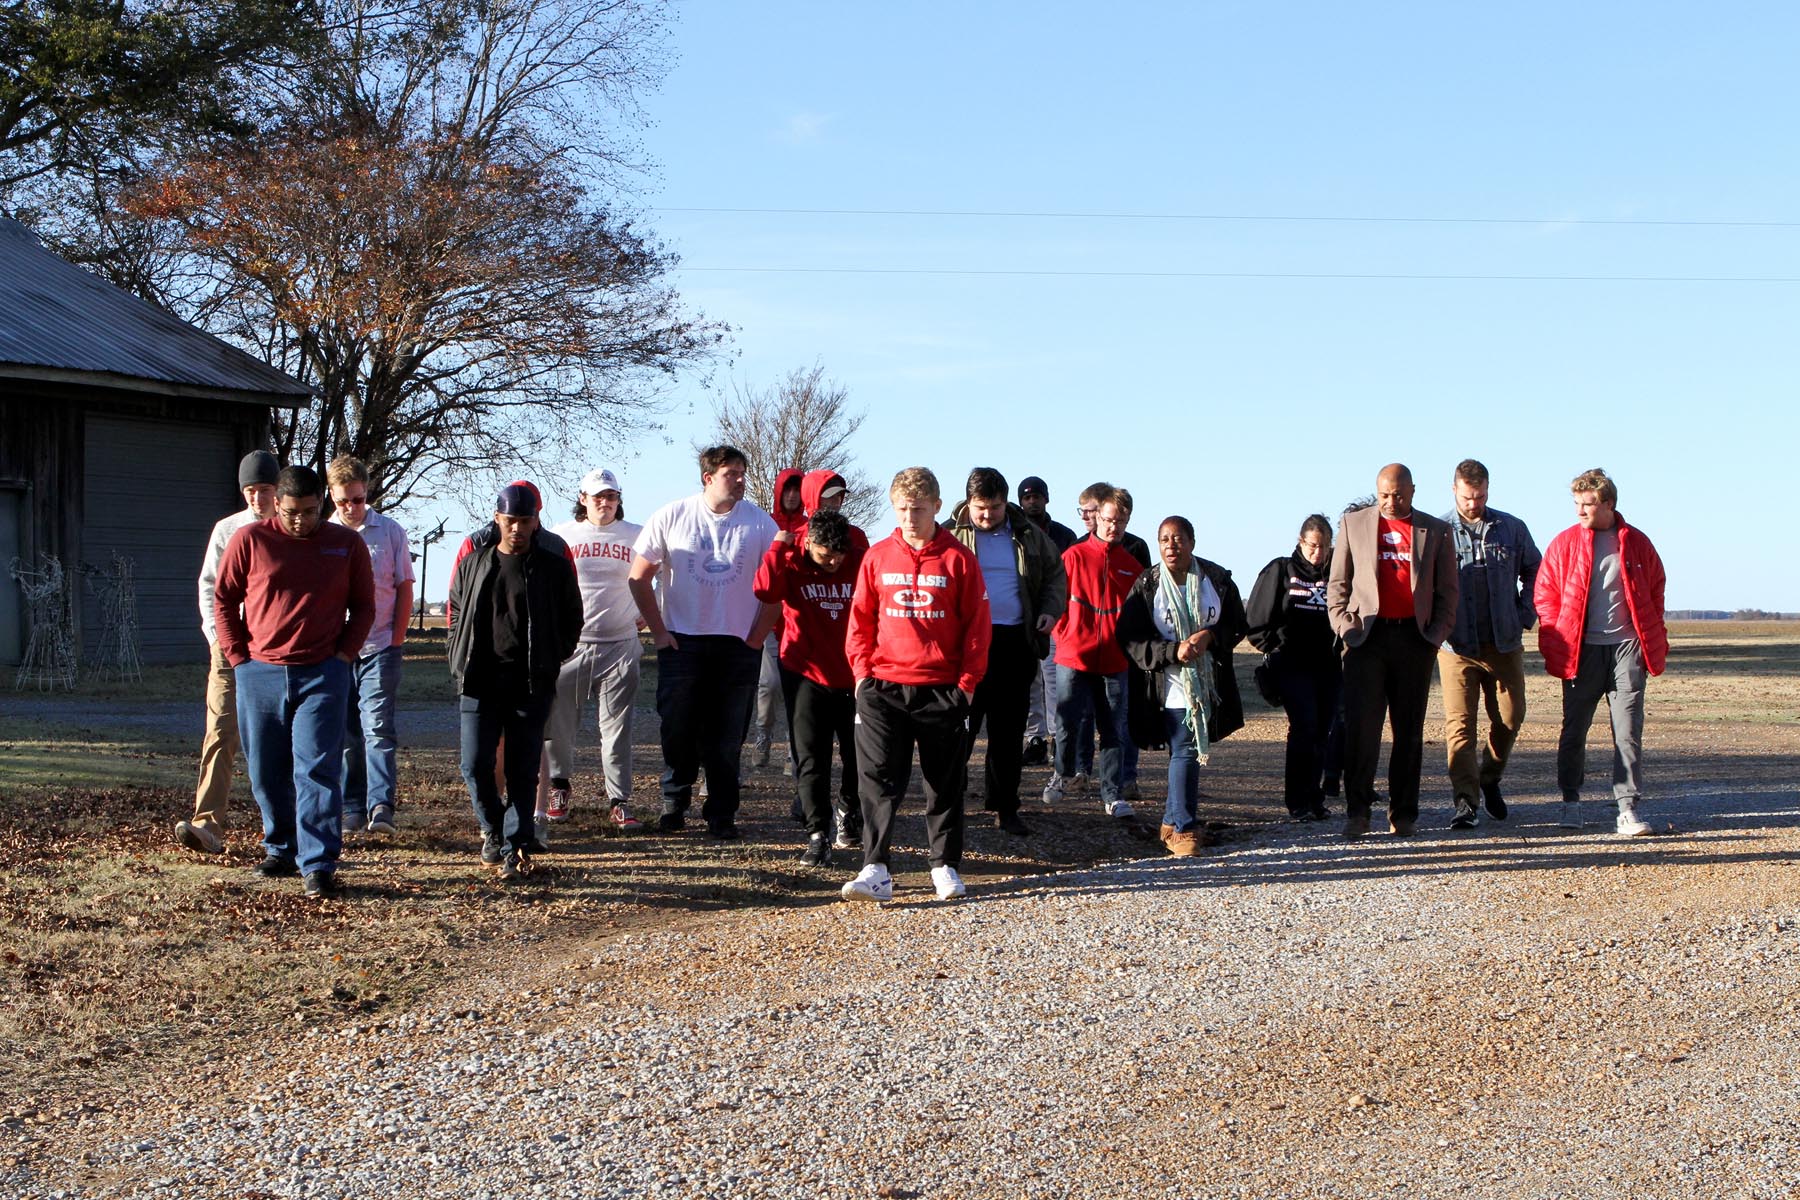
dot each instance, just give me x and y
(608, 670)
(1616, 672)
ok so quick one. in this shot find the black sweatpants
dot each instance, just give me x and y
(818, 715)
(1388, 675)
(891, 718)
(1003, 700)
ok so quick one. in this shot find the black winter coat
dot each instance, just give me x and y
(1151, 654)
(554, 616)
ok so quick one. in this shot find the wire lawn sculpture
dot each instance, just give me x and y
(117, 655)
(49, 660)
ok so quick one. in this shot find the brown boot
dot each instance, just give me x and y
(1183, 845)
(1168, 831)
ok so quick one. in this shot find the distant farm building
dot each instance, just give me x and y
(120, 430)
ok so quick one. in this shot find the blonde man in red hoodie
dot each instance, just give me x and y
(918, 646)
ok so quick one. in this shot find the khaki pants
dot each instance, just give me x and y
(218, 752)
(1499, 678)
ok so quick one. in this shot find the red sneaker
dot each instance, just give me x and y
(622, 819)
(559, 804)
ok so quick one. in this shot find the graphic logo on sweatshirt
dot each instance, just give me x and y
(1392, 538)
(914, 599)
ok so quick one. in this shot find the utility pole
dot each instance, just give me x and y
(424, 561)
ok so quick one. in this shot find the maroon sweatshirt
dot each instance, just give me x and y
(295, 594)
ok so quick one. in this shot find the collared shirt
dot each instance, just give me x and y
(390, 559)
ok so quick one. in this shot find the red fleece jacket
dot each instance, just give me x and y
(815, 611)
(295, 594)
(1100, 578)
(920, 617)
(810, 488)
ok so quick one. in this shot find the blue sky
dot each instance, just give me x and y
(1239, 371)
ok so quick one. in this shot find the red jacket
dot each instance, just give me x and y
(1561, 597)
(810, 489)
(1100, 578)
(920, 616)
(794, 521)
(304, 598)
(815, 611)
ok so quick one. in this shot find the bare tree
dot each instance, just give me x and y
(805, 423)
(418, 232)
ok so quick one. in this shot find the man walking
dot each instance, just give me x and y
(519, 616)
(918, 646)
(708, 625)
(294, 602)
(1391, 597)
(1092, 671)
(1484, 658)
(1034, 501)
(1027, 592)
(257, 473)
(370, 739)
(1600, 603)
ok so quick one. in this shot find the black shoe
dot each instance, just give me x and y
(723, 832)
(817, 852)
(1317, 812)
(512, 865)
(322, 885)
(276, 868)
(671, 823)
(1466, 817)
(539, 844)
(1037, 753)
(492, 849)
(1495, 805)
(1330, 785)
(1010, 823)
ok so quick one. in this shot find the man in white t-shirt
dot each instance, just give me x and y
(692, 576)
(257, 473)
(606, 661)
(371, 737)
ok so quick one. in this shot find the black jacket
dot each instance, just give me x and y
(1151, 654)
(554, 614)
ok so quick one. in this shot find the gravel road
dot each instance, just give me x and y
(1520, 1011)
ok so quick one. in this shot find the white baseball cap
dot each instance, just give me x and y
(599, 480)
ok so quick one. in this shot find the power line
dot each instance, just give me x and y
(1345, 275)
(1176, 216)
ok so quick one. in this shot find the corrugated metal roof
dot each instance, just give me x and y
(57, 321)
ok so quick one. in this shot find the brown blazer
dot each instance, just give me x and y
(1352, 595)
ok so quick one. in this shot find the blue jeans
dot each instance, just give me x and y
(1104, 696)
(704, 693)
(291, 721)
(1182, 810)
(521, 719)
(369, 736)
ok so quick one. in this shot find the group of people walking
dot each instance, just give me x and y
(901, 651)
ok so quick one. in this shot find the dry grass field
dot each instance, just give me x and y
(128, 959)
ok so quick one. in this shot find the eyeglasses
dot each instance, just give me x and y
(347, 501)
(294, 516)
(1088, 512)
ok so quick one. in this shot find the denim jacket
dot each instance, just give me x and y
(1511, 559)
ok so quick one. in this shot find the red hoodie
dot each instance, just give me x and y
(815, 611)
(794, 521)
(810, 488)
(1100, 578)
(920, 617)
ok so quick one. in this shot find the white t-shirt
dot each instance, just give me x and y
(391, 560)
(1174, 691)
(209, 567)
(603, 568)
(706, 564)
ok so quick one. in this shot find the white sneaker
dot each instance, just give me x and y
(1571, 814)
(1054, 790)
(948, 883)
(1629, 823)
(1120, 809)
(871, 883)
